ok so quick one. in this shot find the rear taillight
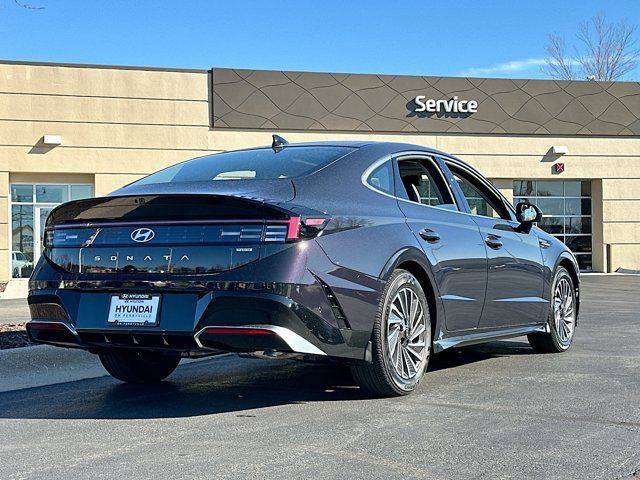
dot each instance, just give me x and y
(305, 227)
(293, 228)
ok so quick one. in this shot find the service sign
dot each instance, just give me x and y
(452, 105)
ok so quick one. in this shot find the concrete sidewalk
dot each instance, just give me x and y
(14, 311)
(45, 365)
(16, 288)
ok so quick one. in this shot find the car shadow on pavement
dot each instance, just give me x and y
(217, 385)
(457, 357)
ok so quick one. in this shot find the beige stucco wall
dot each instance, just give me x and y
(119, 124)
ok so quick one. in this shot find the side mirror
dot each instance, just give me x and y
(527, 214)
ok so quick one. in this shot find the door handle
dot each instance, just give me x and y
(493, 241)
(429, 235)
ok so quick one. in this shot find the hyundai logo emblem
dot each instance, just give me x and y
(142, 235)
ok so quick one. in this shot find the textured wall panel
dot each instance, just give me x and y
(275, 100)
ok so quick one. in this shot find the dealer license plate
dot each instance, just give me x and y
(134, 309)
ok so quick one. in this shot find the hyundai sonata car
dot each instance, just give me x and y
(371, 255)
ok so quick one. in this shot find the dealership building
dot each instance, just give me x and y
(73, 131)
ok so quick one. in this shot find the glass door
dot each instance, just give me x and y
(30, 205)
(41, 219)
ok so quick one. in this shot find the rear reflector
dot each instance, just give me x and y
(236, 331)
(56, 333)
(47, 326)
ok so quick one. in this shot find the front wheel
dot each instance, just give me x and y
(563, 314)
(139, 366)
(401, 339)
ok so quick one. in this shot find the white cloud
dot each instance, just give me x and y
(505, 68)
(530, 65)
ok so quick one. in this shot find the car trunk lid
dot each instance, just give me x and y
(165, 234)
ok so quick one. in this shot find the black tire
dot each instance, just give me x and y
(553, 341)
(380, 376)
(139, 366)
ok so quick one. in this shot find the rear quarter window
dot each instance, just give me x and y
(382, 178)
(258, 164)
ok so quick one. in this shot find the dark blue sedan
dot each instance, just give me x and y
(373, 254)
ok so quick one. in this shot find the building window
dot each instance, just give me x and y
(30, 207)
(566, 209)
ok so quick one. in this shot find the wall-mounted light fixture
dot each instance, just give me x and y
(560, 149)
(52, 140)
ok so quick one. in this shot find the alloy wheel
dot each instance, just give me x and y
(407, 335)
(564, 314)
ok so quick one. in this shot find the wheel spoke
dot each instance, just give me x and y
(419, 319)
(398, 316)
(394, 319)
(415, 353)
(414, 309)
(418, 331)
(568, 304)
(403, 364)
(402, 296)
(412, 368)
(392, 338)
(397, 360)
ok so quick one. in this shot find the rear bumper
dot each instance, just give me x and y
(193, 323)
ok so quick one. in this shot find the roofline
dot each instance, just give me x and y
(107, 67)
(207, 70)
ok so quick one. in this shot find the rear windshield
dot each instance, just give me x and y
(264, 163)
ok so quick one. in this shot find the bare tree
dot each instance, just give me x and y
(559, 65)
(605, 51)
(27, 6)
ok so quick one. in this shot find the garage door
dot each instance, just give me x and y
(566, 208)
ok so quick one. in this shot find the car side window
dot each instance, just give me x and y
(423, 183)
(482, 201)
(382, 178)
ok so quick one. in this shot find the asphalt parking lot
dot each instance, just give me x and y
(492, 411)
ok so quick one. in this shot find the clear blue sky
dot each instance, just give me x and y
(502, 38)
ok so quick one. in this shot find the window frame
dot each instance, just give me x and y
(423, 156)
(485, 187)
(366, 176)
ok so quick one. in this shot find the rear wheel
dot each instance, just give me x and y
(401, 339)
(562, 316)
(139, 366)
